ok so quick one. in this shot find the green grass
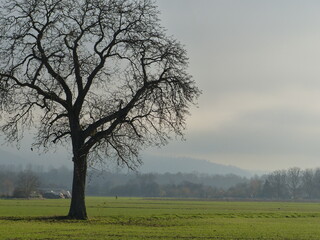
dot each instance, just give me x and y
(137, 218)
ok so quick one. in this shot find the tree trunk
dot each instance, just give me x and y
(78, 206)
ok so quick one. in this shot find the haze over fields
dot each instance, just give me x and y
(257, 63)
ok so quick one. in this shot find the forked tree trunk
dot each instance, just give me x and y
(78, 206)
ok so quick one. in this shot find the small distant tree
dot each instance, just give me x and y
(100, 74)
(7, 187)
(267, 189)
(255, 187)
(277, 184)
(294, 181)
(27, 182)
(307, 182)
(7, 179)
(316, 183)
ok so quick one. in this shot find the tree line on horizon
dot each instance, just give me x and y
(290, 184)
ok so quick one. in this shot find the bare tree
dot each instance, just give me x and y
(294, 181)
(27, 182)
(316, 182)
(277, 183)
(101, 74)
(307, 182)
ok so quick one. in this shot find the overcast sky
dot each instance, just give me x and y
(258, 65)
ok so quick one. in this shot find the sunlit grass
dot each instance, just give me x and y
(137, 218)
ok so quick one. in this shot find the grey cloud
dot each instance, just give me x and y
(240, 45)
(272, 132)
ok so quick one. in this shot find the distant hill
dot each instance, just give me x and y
(25, 157)
(151, 164)
(188, 165)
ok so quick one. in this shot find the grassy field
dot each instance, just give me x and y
(137, 218)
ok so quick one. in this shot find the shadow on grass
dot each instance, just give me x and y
(39, 218)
